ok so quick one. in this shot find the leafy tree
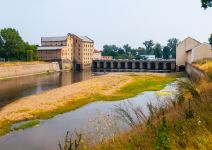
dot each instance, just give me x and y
(141, 51)
(158, 50)
(127, 49)
(11, 42)
(13, 47)
(121, 51)
(210, 40)
(149, 46)
(166, 52)
(110, 50)
(172, 44)
(33, 49)
(206, 3)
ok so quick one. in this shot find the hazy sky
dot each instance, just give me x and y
(108, 21)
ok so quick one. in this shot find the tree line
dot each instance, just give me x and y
(13, 47)
(150, 48)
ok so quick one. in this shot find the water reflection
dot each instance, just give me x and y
(49, 132)
(13, 89)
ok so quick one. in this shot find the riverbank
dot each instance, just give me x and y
(183, 124)
(114, 86)
(14, 63)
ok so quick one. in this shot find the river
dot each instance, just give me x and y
(13, 89)
(47, 135)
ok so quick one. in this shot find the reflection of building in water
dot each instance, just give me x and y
(83, 75)
(71, 50)
(25, 86)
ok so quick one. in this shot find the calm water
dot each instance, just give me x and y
(13, 89)
(49, 132)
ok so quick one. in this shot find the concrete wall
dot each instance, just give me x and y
(194, 72)
(189, 56)
(201, 52)
(29, 69)
(182, 47)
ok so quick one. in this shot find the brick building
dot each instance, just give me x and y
(71, 50)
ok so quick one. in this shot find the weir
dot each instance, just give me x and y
(157, 65)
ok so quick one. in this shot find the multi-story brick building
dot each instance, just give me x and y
(70, 50)
(83, 52)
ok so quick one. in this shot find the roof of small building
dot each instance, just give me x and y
(198, 46)
(54, 39)
(96, 51)
(190, 38)
(50, 48)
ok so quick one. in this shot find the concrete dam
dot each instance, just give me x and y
(158, 65)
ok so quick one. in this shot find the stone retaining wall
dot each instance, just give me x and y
(28, 69)
(194, 72)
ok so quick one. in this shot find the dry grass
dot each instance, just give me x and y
(6, 64)
(114, 86)
(206, 66)
(185, 124)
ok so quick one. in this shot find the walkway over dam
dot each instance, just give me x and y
(158, 65)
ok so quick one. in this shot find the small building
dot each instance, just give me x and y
(190, 50)
(148, 57)
(97, 55)
(107, 58)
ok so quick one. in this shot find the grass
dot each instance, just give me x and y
(185, 124)
(12, 63)
(206, 66)
(138, 84)
(27, 124)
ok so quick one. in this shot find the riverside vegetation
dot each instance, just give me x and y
(182, 123)
(110, 87)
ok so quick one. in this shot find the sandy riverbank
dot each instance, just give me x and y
(113, 86)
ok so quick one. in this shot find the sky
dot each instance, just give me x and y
(116, 22)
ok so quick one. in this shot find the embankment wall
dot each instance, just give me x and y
(28, 69)
(194, 72)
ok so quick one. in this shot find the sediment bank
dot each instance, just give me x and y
(114, 86)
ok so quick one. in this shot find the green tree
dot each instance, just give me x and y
(110, 50)
(141, 51)
(11, 42)
(206, 3)
(127, 49)
(149, 46)
(1, 48)
(13, 47)
(210, 40)
(166, 52)
(172, 44)
(158, 50)
(33, 51)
